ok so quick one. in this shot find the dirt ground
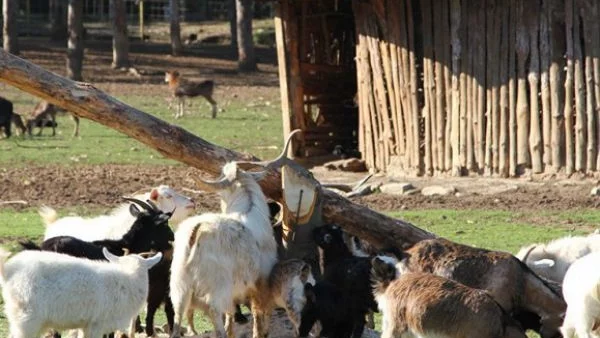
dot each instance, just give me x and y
(92, 186)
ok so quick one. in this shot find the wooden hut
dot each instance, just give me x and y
(495, 87)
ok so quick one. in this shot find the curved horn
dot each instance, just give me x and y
(142, 204)
(528, 252)
(125, 251)
(219, 184)
(279, 160)
(154, 207)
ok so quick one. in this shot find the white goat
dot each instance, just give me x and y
(44, 290)
(119, 221)
(222, 259)
(581, 289)
(552, 260)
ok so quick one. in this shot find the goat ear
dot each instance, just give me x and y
(152, 261)
(154, 194)
(133, 210)
(109, 256)
(544, 263)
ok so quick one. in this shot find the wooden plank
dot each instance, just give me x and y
(545, 61)
(414, 89)
(556, 95)
(522, 49)
(579, 88)
(503, 154)
(455, 19)
(512, 90)
(440, 47)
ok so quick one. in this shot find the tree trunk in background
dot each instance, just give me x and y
(120, 40)
(232, 23)
(245, 43)
(58, 20)
(75, 43)
(174, 142)
(10, 28)
(176, 46)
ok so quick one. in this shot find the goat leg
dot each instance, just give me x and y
(151, 311)
(76, 121)
(239, 316)
(170, 313)
(138, 325)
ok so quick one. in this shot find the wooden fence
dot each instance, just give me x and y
(487, 86)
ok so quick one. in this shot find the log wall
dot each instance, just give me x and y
(491, 87)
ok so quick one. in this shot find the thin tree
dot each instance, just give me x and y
(10, 28)
(246, 56)
(120, 40)
(75, 42)
(232, 23)
(58, 19)
(176, 47)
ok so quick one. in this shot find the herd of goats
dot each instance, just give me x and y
(95, 275)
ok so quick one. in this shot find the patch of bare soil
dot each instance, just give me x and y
(94, 186)
(103, 186)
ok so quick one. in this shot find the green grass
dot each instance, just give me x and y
(254, 127)
(500, 230)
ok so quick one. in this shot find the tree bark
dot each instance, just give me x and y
(58, 20)
(10, 27)
(175, 142)
(175, 29)
(120, 40)
(245, 42)
(231, 4)
(75, 43)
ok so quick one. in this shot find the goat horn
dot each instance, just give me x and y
(125, 251)
(219, 184)
(528, 252)
(277, 162)
(142, 204)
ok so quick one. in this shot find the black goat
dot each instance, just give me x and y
(350, 275)
(326, 303)
(149, 233)
(6, 112)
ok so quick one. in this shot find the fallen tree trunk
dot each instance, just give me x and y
(174, 142)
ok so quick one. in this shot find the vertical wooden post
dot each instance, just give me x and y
(546, 60)
(556, 96)
(141, 19)
(579, 86)
(535, 137)
(503, 160)
(589, 14)
(281, 9)
(295, 81)
(455, 22)
(512, 90)
(522, 100)
(429, 110)
(569, 149)
(414, 90)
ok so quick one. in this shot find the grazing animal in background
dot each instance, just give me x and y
(552, 260)
(17, 121)
(119, 220)
(43, 290)
(6, 115)
(181, 88)
(44, 111)
(426, 305)
(508, 280)
(237, 246)
(581, 289)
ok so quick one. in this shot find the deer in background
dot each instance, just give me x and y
(46, 111)
(181, 88)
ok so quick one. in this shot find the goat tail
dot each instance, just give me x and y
(48, 214)
(4, 254)
(193, 243)
(29, 245)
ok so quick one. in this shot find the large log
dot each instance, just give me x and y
(174, 142)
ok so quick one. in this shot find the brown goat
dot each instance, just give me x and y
(45, 111)
(426, 305)
(181, 88)
(509, 281)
